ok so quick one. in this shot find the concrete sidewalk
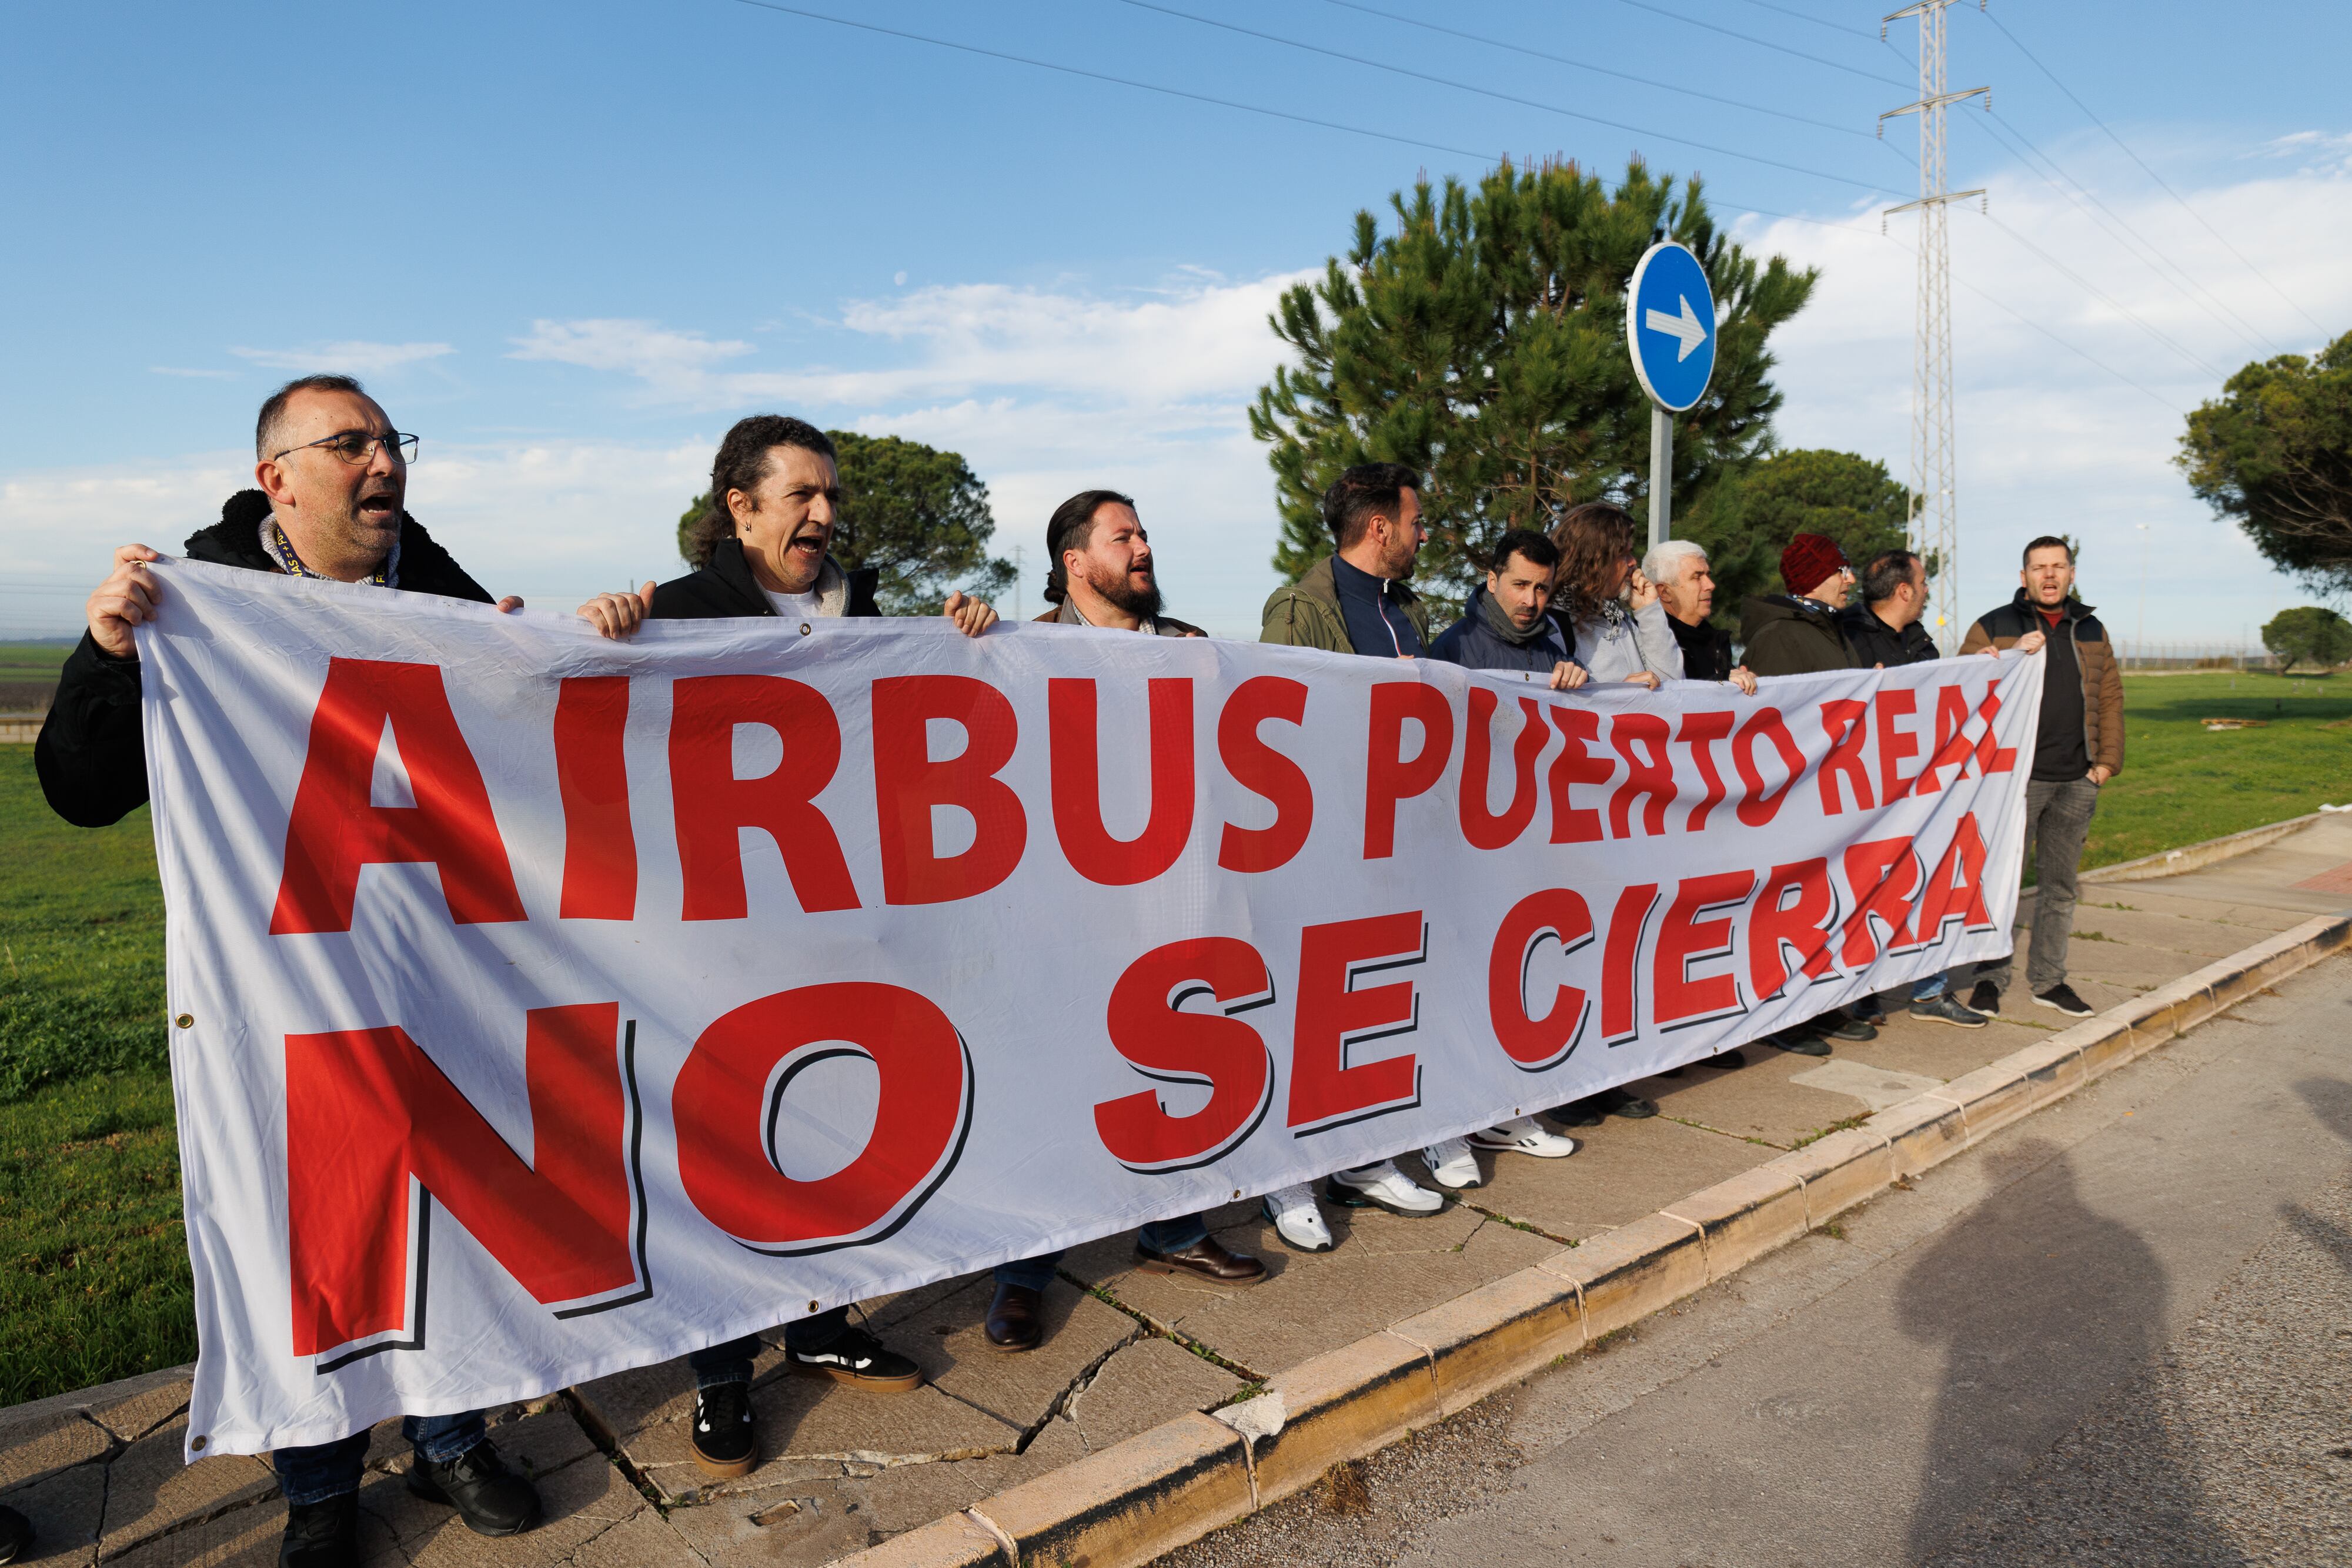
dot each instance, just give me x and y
(99, 1473)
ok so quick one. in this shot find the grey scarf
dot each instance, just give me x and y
(1498, 620)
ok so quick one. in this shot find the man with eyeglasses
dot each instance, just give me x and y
(332, 476)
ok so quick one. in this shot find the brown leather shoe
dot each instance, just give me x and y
(1208, 1258)
(1016, 1319)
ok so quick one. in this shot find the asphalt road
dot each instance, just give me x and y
(2119, 1332)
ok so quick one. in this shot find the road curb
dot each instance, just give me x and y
(2191, 857)
(1177, 1482)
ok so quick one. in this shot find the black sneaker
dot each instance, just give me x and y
(317, 1534)
(2063, 997)
(1800, 1042)
(1621, 1103)
(17, 1533)
(1584, 1112)
(1869, 1011)
(1947, 1008)
(725, 1444)
(1838, 1026)
(857, 1358)
(476, 1483)
(1985, 998)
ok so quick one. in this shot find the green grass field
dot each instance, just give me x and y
(96, 1281)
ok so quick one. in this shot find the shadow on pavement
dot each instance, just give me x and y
(2045, 1310)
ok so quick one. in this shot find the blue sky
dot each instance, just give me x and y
(569, 245)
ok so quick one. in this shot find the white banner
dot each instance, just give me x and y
(544, 1006)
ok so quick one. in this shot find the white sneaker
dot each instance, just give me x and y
(1524, 1135)
(1297, 1220)
(1383, 1186)
(1452, 1166)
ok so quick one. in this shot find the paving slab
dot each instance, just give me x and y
(149, 1488)
(1626, 1170)
(66, 1509)
(1762, 1100)
(950, 1342)
(44, 1445)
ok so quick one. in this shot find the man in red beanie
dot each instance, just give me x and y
(1797, 632)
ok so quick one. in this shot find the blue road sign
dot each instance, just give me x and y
(1670, 326)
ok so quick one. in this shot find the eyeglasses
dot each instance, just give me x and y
(358, 447)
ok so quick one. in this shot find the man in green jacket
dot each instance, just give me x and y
(1356, 601)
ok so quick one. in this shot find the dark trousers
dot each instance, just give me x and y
(731, 1362)
(321, 1470)
(2057, 820)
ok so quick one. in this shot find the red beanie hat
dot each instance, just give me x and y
(1808, 562)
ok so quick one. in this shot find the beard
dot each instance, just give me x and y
(1121, 590)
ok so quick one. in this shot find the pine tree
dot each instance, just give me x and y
(1747, 516)
(1483, 343)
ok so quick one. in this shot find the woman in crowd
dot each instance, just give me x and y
(1621, 633)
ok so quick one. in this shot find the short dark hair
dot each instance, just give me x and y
(1362, 493)
(1540, 550)
(2047, 541)
(1888, 570)
(1072, 526)
(742, 464)
(273, 408)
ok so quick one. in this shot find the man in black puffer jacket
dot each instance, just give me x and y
(333, 473)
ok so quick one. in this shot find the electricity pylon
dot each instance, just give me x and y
(1934, 519)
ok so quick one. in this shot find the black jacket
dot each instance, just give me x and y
(1874, 642)
(1706, 650)
(1791, 636)
(91, 756)
(1475, 646)
(726, 587)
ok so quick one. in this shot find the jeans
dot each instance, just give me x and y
(321, 1470)
(1928, 989)
(731, 1361)
(2057, 820)
(1161, 1236)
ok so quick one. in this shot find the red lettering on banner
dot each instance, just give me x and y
(1993, 757)
(1884, 874)
(1758, 806)
(729, 1097)
(1685, 938)
(1952, 748)
(1956, 890)
(908, 782)
(333, 831)
(1620, 964)
(1555, 914)
(1895, 743)
(1780, 924)
(1700, 731)
(1152, 1030)
(1480, 826)
(592, 774)
(1087, 844)
(1841, 721)
(1264, 771)
(1332, 1016)
(711, 806)
(1653, 778)
(366, 1110)
(1390, 776)
(1579, 728)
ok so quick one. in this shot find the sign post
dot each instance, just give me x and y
(1670, 332)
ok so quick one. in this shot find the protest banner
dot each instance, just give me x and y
(545, 1006)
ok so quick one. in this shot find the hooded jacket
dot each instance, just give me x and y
(1873, 642)
(2103, 681)
(726, 587)
(1787, 636)
(1306, 613)
(91, 756)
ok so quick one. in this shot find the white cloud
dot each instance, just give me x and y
(2323, 153)
(351, 357)
(676, 365)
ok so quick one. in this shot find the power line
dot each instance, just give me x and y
(1490, 92)
(2093, 290)
(1117, 81)
(1761, 43)
(2151, 174)
(1600, 71)
(2178, 279)
(1816, 21)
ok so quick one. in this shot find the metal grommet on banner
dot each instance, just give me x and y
(805, 628)
(811, 1306)
(196, 1445)
(186, 1020)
